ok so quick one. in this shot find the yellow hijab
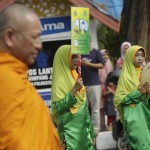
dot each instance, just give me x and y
(63, 80)
(129, 77)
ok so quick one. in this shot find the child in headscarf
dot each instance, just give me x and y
(132, 106)
(69, 106)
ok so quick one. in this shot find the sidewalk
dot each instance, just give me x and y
(105, 141)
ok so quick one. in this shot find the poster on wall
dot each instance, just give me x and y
(40, 75)
(80, 33)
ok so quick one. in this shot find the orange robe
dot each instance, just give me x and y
(25, 122)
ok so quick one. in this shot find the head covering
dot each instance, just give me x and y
(108, 67)
(122, 48)
(64, 80)
(121, 58)
(129, 79)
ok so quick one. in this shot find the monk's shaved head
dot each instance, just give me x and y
(20, 31)
(14, 16)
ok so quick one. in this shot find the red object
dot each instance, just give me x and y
(79, 66)
(4, 3)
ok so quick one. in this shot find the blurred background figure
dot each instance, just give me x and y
(91, 63)
(108, 94)
(108, 67)
(124, 47)
(25, 122)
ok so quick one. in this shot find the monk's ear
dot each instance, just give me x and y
(9, 36)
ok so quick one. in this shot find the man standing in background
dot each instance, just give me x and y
(90, 65)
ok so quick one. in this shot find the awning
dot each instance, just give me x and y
(94, 12)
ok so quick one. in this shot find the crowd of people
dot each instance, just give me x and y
(82, 107)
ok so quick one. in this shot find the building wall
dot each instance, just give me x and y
(55, 8)
(48, 8)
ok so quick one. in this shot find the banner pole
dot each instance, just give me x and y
(79, 66)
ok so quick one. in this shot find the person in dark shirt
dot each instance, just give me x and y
(90, 65)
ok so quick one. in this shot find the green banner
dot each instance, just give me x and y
(80, 33)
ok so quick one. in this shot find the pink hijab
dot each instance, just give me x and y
(108, 67)
(121, 58)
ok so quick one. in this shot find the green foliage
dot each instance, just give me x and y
(111, 41)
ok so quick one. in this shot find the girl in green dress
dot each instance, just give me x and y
(69, 106)
(133, 106)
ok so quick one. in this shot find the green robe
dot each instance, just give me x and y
(137, 120)
(70, 113)
(76, 130)
(128, 79)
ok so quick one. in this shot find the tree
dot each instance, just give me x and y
(135, 28)
(137, 23)
(110, 40)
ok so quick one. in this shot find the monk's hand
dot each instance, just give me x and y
(78, 85)
(145, 88)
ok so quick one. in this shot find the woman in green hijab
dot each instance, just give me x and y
(133, 104)
(69, 106)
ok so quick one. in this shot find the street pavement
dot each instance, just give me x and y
(105, 141)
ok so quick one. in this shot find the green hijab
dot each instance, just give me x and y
(62, 80)
(128, 80)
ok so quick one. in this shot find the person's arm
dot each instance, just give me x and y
(129, 100)
(65, 103)
(69, 100)
(107, 91)
(137, 95)
(132, 98)
(98, 61)
(92, 65)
